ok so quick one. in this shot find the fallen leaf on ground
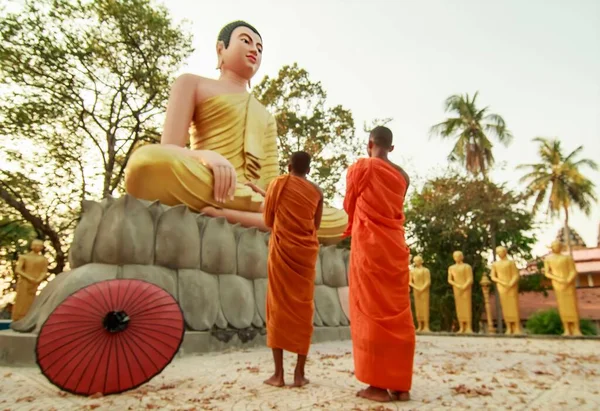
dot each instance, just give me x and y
(26, 399)
(471, 392)
(96, 395)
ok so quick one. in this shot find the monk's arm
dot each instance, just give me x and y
(350, 198)
(469, 281)
(548, 274)
(572, 272)
(493, 274)
(411, 281)
(450, 279)
(515, 275)
(319, 212)
(270, 205)
(20, 267)
(494, 277)
(43, 274)
(427, 280)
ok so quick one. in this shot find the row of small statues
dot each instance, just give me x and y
(557, 267)
(32, 269)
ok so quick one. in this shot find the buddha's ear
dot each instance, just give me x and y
(220, 50)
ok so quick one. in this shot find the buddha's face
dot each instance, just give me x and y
(244, 53)
(501, 251)
(418, 260)
(37, 246)
(458, 256)
(556, 247)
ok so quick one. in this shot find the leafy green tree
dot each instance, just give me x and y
(557, 181)
(84, 83)
(470, 128)
(305, 122)
(454, 213)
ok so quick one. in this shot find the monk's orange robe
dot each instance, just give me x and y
(290, 206)
(381, 322)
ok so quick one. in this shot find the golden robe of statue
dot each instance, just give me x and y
(460, 276)
(31, 270)
(506, 275)
(561, 270)
(420, 281)
(233, 143)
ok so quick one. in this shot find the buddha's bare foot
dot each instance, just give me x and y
(212, 211)
(275, 381)
(375, 394)
(400, 395)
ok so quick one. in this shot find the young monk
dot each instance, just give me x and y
(293, 210)
(383, 333)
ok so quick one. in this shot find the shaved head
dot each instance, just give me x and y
(300, 162)
(382, 137)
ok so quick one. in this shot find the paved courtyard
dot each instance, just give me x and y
(450, 372)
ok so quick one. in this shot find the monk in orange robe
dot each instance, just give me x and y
(292, 209)
(381, 322)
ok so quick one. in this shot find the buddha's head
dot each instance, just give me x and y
(501, 251)
(418, 261)
(239, 49)
(556, 247)
(458, 256)
(37, 246)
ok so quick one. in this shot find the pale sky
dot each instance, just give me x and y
(535, 62)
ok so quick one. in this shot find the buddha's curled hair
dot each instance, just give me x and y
(225, 33)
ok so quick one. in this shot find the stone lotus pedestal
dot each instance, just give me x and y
(215, 270)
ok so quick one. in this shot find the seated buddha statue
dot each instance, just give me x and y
(233, 152)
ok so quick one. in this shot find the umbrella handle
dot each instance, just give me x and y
(116, 321)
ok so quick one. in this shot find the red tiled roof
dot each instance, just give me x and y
(530, 302)
(587, 261)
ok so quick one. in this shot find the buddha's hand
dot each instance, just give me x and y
(225, 177)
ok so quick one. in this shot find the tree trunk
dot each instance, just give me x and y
(568, 232)
(40, 227)
(500, 326)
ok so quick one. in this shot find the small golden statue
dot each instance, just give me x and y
(420, 281)
(505, 273)
(31, 270)
(460, 276)
(561, 270)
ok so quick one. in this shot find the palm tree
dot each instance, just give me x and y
(470, 128)
(557, 181)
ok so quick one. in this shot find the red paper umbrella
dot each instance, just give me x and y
(110, 337)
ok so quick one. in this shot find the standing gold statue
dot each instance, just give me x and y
(233, 143)
(506, 275)
(420, 281)
(31, 269)
(460, 276)
(561, 270)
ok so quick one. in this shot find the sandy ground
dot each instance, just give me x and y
(449, 372)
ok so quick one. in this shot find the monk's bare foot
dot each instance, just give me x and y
(275, 381)
(300, 380)
(400, 395)
(375, 394)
